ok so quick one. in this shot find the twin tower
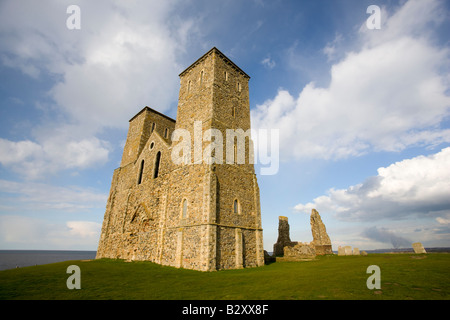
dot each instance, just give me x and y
(199, 215)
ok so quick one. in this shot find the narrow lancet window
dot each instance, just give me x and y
(141, 171)
(157, 161)
(236, 206)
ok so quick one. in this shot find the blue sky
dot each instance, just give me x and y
(363, 113)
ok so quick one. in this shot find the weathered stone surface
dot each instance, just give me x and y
(183, 215)
(321, 240)
(321, 243)
(418, 247)
(284, 239)
(363, 253)
(348, 250)
(300, 251)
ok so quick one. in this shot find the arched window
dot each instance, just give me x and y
(184, 209)
(236, 208)
(157, 161)
(141, 171)
(166, 133)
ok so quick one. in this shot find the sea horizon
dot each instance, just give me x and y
(19, 258)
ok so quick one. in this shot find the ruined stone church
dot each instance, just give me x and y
(199, 215)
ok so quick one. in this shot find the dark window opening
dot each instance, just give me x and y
(158, 158)
(141, 171)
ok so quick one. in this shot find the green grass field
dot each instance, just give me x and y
(403, 276)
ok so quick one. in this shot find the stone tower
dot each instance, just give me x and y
(321, 240)
(284, 238)
(204, 212)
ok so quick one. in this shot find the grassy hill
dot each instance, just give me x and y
(403, 276)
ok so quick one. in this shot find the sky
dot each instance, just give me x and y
(362, 112)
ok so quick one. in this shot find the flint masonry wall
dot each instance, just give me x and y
(144, 217)
(321, 240)
(320, 245)
(284, 239)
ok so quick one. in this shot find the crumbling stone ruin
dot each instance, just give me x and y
(300, 251)
(347, 251)
(418, 247)
(284, 239)
(321, 240)
(201, 215)
(293, 250)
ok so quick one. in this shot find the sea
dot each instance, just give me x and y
(10, 259)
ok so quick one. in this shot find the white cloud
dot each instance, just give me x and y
(31, 233)
(17, 152)
(123, 58)
(34, 160)
(330, 48)
(85, 229)
(443, 221)
(31, 196)
(387, 96)
(416, 187)
(268, 63)
(421, 179)
(415, 18)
